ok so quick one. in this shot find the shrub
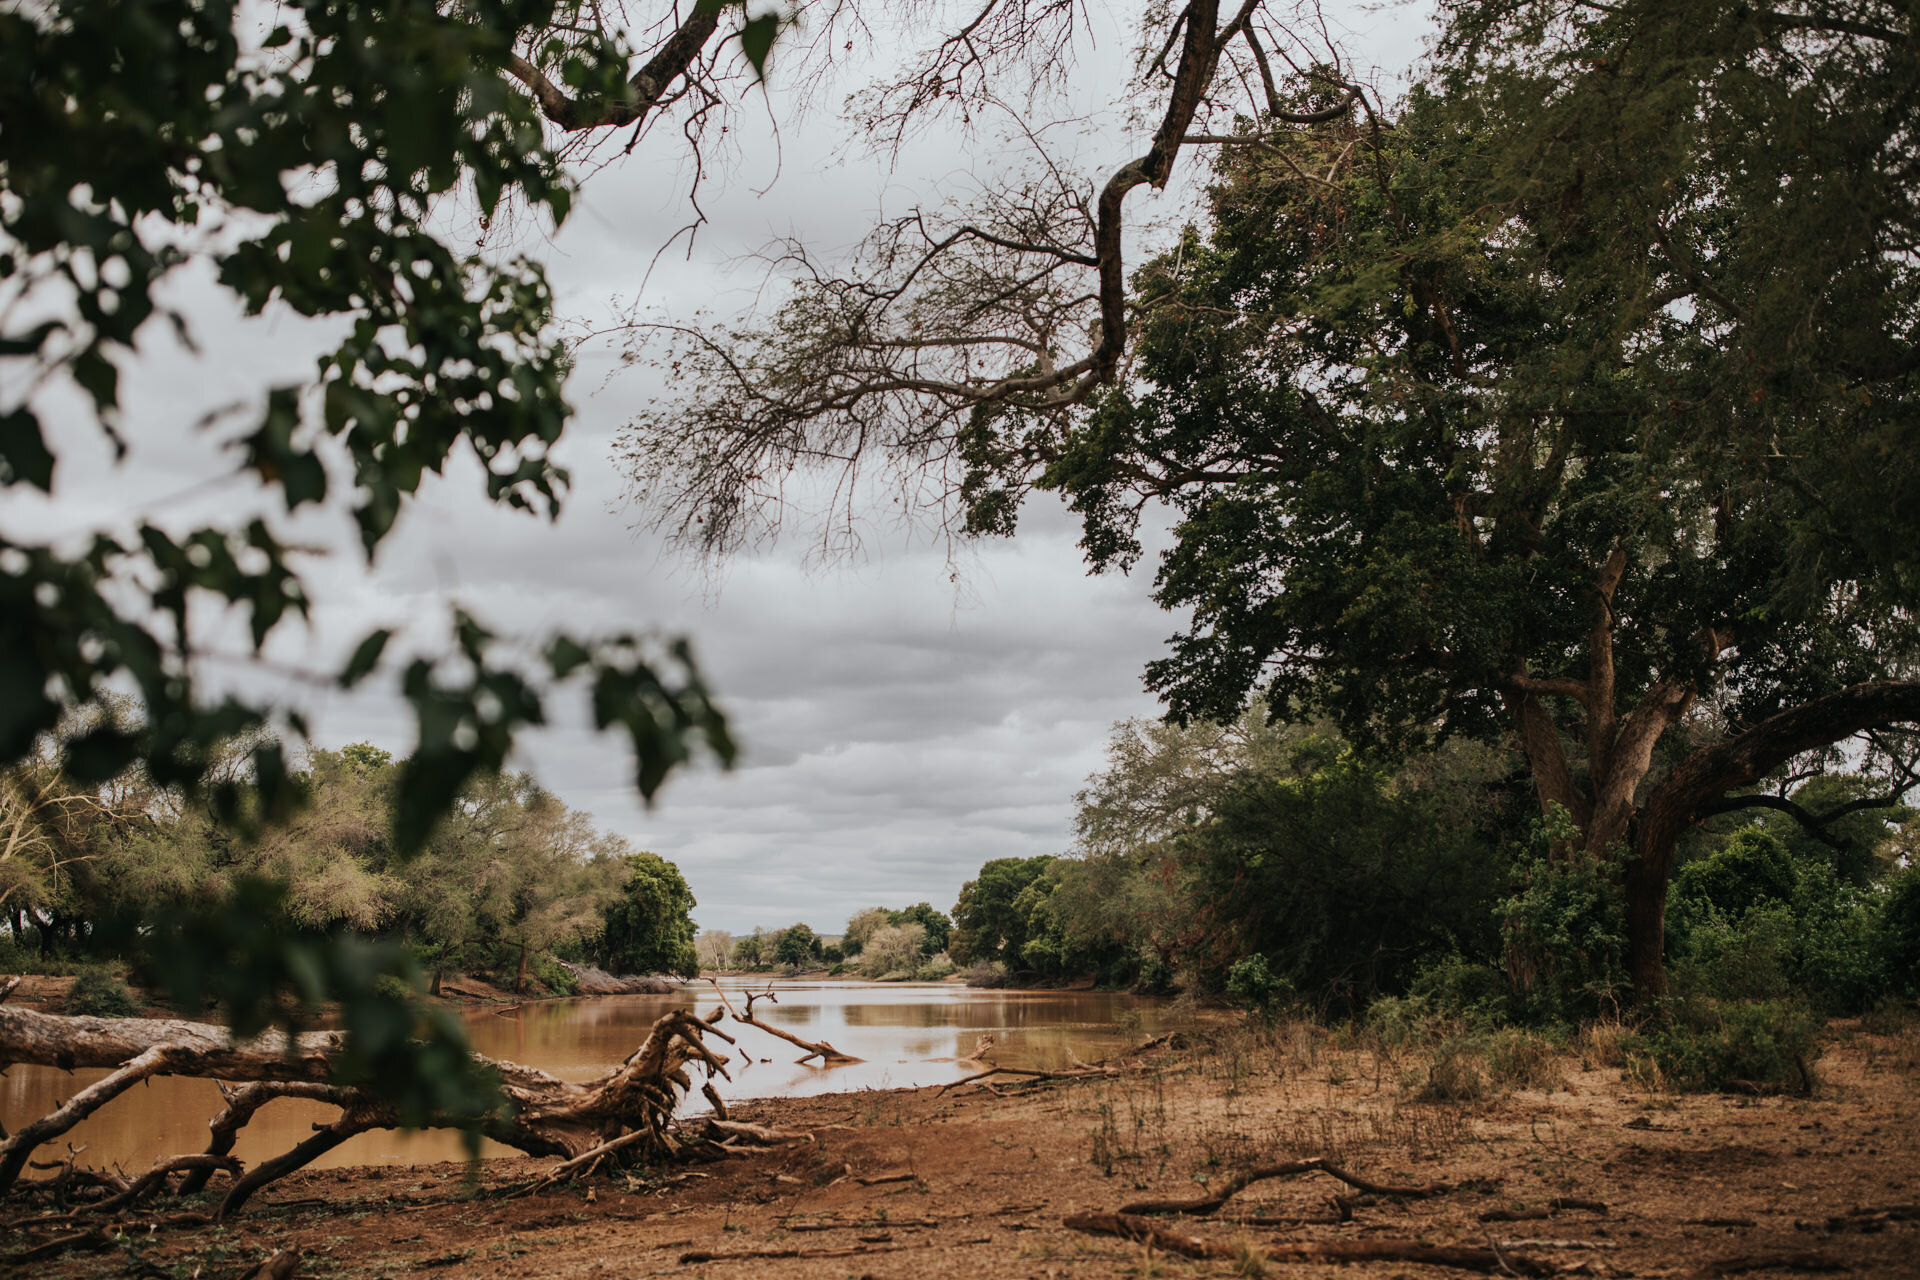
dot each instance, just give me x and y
(1253, 983)
(1155, 977)
(1751, 869)
(986, 973)
(1454, 986)
(1565, 926)
(1745, 1045)
(1455, 1072)
(1824, 941)
(1745, 958)
(1520, 1059)
(1900, 930)
(937, 969)
(17, 956)
(892, 951)
(97, 993)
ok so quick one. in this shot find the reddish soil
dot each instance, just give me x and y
(976, 1183)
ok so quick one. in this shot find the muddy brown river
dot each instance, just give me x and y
(908, 1034)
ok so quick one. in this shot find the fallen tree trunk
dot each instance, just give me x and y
(544, 1115)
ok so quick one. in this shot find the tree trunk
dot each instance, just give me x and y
(544, 1115)
(1680, 798)
(520, 978)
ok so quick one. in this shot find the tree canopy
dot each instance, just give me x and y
(1569, 401)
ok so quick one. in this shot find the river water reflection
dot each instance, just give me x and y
(908, 1034)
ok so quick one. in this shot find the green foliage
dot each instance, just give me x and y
(1565, 927)
(648, 927)
(1752, 868)
(1253, 983)
(327, 159)
(1346, 882)
(1744, 1044)
(798, 947)
(1154, 977)
(98, 993)
(242, 954)
(990, 922)
(390, 106)
(1752, 922)
(1900, 930)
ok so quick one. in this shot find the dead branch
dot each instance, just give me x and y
(156, 1176)
(896, 362)
(1745, 1262)
(544, 1115)
(1241, 1181)
(828, 1055)
(1096, 1071)
(701, 1255)
(1129, 1227)
(1556, 1205)
(94, 1238)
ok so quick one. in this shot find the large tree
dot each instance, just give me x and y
(1439, 470)
(1576, 404)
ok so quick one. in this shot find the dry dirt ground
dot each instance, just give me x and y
(976, 1183)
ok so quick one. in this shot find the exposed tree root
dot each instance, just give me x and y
(1131, 1227)
(630, 1109)
(1241, 1181)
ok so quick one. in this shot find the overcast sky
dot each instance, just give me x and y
(899, 727)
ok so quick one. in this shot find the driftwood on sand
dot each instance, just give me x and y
(630, 1108)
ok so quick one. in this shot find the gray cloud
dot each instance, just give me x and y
(899, 727)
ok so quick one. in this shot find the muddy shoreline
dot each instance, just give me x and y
(976, 1182)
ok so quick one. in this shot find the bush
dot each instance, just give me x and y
(1519, 1059)
(1253, 983)
(1457, 987)
(1745, 1045)
(1565, 925)
(986, 973)
(1900, 930)
(1747, 958)
(98, 994)
(20, 957)
(1155, 977)
(937, 969)
(1802, 932)
(1455, 1073)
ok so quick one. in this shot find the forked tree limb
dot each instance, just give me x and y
(242, 1102)
(828, 1055)
(15, 1151)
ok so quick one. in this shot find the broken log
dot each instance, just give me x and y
(544, 1115)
